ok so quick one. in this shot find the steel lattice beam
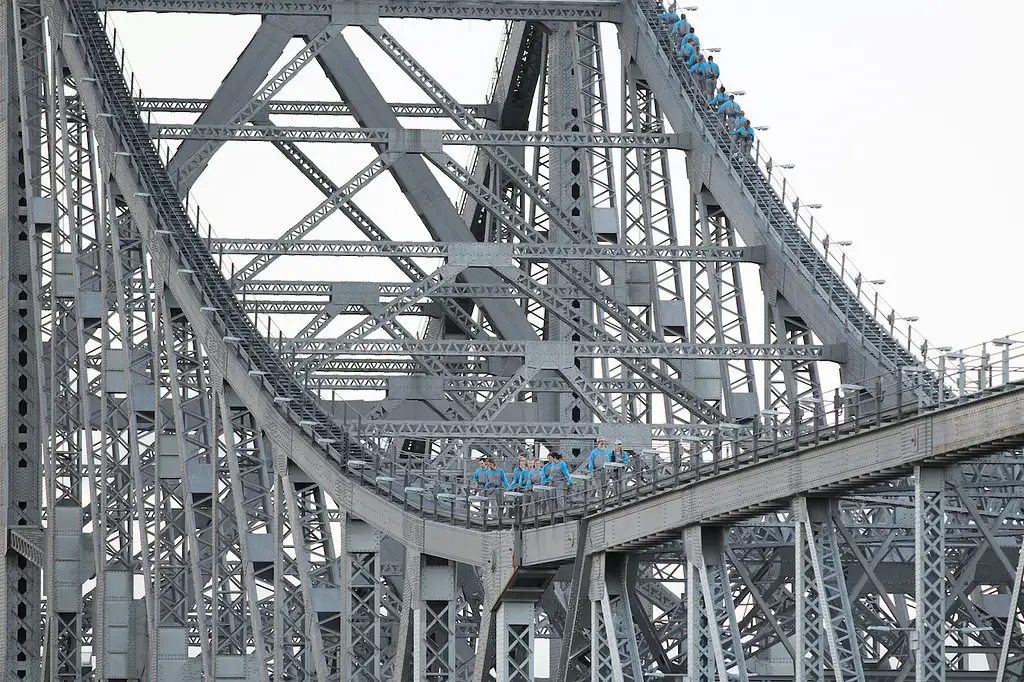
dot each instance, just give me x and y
(560, 10)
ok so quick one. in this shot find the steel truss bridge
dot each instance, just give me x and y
(214, 472)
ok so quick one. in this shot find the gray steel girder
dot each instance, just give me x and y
(411, 173)
(521, 10)
(956, 433)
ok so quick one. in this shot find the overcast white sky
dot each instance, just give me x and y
(898, 115)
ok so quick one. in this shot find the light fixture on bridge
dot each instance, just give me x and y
(812, 206)
(845, 242)
(1004, 341)
(761, 128)
(739, 93)
(956, 355)
(876, 282)
(852, 387)
(909, 318)
(786, 166)
(692, 8)
(713, 50)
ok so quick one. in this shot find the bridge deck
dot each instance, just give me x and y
(983, 426)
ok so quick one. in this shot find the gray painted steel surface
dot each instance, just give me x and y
(190, 493)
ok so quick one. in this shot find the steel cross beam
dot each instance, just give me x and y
(182, 105)
(241, 246)
(531, 349)
(374, 382)
(518, 10)
(418, 140)
(521, 432)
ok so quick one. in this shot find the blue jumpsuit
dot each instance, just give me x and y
(744, 138)
(728, 112)
(598, 457)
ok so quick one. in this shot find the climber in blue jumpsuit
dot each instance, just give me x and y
(695, 57)
(697, 71)
(741, 121)
(720, 98)
(517, 474)
(540, 500)
(686, 50)
(532, 476)
(711, 74)
(680, 29)
(728, 111)
(618, 454)
(599, 455)
(556, 475)
(744, 139)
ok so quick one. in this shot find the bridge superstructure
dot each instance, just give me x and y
(214, 473)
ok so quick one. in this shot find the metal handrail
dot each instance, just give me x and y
(824, 258)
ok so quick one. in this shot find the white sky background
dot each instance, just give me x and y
(898, 115)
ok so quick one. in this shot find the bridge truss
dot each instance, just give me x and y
(226, 460)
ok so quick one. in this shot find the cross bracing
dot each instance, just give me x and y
(193, 410)
(414, 141)
(180, 105)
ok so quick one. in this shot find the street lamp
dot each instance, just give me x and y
(713, 49)
(787, 166)
(761, 128)
(814, 206)
(846, 242)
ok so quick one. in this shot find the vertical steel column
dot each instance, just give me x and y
(718, 312)
(648, 217)
(618, 611)
(790, 386)
(823, 603)
(712, 628)
(362, 602)
(247, 468)
(24, 211)
(576, 658)
(1007, 667)
(930, 572)
(571, 190)
(405, 664)
(514, 646)
(434, 622)
(392, 592)
(127, 409)
(605, 665)
(180, 433)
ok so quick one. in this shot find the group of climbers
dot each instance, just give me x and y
(705, 73)
(526, 475)
(530, 473)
